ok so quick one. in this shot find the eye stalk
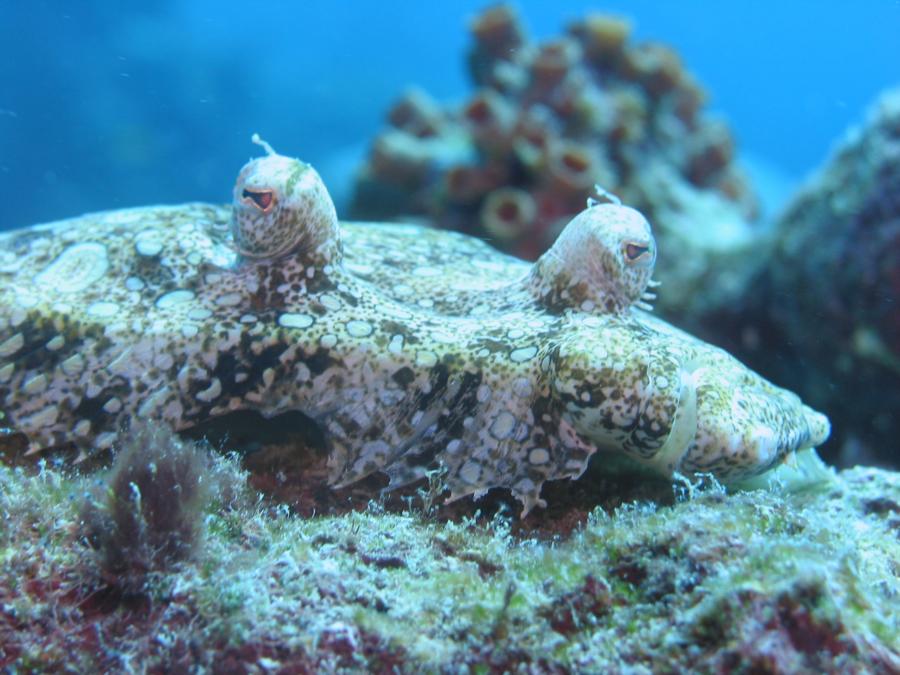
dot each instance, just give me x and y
(281, 207)
(602, 262)
(264, 200)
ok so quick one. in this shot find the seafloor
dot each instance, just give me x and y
(185, 567)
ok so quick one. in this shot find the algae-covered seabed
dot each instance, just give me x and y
(618, 575)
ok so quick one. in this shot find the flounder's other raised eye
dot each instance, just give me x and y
(635, 251)
(262, 199)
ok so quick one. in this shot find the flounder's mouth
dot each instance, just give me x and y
(748, 445)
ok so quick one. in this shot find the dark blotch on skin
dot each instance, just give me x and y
(438, 379)
(227, 366)
(404, 376)
(92, 408)
(464, 404)
(319, 362)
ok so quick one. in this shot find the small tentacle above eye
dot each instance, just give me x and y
(265, 146)
(602, 193)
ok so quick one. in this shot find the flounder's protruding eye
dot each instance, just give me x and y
(601, 262)
(261, 199)
(280, 205)
(634, 251)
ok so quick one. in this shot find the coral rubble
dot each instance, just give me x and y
(549, 120)
(763, 581)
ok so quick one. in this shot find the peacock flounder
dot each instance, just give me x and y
(412, 348)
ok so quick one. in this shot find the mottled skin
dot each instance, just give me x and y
(412, 348)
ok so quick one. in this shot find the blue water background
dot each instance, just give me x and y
(107, 104)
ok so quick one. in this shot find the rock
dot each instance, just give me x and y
(699, 580)
(830, 293)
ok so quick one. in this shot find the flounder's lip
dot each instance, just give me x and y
(819, 425)
(685, 427)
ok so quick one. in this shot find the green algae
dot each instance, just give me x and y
(758, 579)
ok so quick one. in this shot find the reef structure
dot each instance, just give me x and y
(836, 262)
(516, 160)
(412, 349)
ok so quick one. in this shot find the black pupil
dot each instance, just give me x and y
(261, 199)
(634, 251)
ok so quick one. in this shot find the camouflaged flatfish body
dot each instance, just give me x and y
(412, 348)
